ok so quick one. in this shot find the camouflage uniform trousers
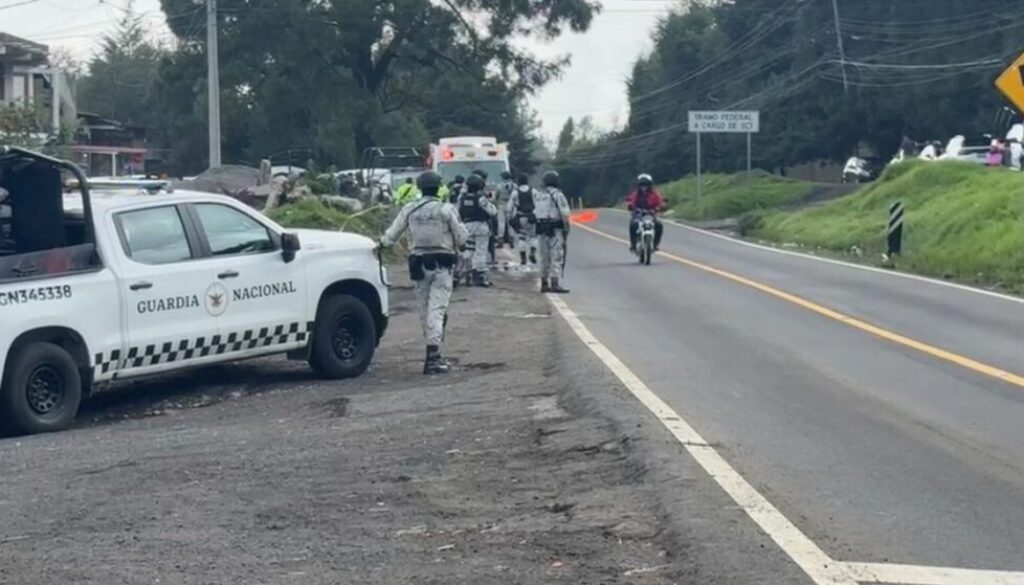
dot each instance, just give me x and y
(504, 229)
(552, 252)
(526, 234)
(433, 294)
(477, 247)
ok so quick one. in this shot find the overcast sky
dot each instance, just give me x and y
(594, 84)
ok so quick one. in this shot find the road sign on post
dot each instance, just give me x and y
(1011, 83)
(710, 122)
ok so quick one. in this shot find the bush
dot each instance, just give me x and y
(321, 182)
(750, 221)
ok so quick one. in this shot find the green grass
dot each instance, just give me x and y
(963, 222)
(725, 196)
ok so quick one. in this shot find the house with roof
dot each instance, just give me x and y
(28, 78)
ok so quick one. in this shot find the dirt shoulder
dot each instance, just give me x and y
(507, 471)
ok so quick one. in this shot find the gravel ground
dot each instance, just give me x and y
(527, 465)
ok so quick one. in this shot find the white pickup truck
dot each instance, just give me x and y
(107, 285)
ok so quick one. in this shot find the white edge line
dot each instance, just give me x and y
(919, 575)
(807, 555)
(806, 256)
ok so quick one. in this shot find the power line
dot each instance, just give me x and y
(774, 22)
(17, 4)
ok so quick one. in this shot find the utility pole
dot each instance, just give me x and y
(213, 81)
(839, 42)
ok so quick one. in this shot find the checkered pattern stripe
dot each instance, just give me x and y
(200, 347)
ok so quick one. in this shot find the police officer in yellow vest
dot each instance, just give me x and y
(406, 193)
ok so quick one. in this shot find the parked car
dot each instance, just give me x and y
(112, 284)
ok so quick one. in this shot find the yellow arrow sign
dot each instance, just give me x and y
(1011, 83)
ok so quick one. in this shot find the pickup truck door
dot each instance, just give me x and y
(265, 297)
(169, 295)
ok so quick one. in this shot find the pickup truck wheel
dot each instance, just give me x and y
(42, 390)
(344, 338)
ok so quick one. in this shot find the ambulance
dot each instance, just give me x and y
(461, 155)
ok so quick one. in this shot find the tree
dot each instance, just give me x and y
(122, 75)
(349, 75)
(917, 68)
(21, 125)
(565, 137)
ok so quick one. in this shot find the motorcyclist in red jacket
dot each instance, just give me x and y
(645, 198)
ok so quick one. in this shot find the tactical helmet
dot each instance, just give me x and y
(480, 173)
(459, 179)
(644, 180)
(475, 183)
(429, 180)
(551, 179)
(522, 179)
(506, 176)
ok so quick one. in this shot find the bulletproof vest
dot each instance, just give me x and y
(428, 226)
(526, 201)
(471, 208)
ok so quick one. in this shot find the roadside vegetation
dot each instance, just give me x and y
(729, 196)
(963, 222)
(312, 213)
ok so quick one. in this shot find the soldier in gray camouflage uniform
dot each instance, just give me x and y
(435, 237)
(477, 212)
(523, 221)
(552, 211)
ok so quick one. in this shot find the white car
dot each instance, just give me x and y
(111, 285)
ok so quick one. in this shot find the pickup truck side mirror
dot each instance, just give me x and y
(290, 245)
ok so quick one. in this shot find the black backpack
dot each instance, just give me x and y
(525, 202)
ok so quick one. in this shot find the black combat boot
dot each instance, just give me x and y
(435, 364)
(557, 288)
(522, 258)
(544, 285)
(533, 255)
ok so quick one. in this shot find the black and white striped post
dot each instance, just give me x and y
(895, 229)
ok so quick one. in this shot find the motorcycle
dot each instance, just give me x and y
(644, 237)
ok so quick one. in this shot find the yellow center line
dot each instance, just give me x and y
(942, 354)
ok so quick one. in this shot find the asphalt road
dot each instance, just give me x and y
(528, 464)
(874, 443)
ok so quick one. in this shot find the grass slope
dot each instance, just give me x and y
(963, 222)
(726, 196)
